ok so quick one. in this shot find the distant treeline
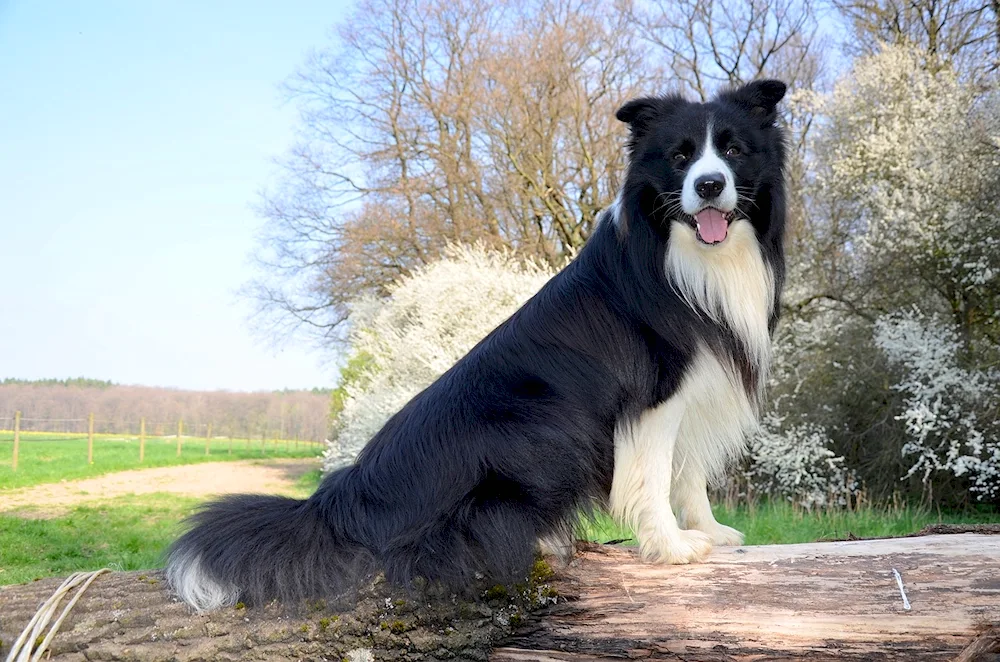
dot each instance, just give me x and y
(72, 381)
(63, 405)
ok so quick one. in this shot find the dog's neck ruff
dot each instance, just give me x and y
(728, 282)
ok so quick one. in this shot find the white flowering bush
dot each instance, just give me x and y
(903, 211)
(792, 455)
(907, 153)
(950, 412)
(429, 320)
(795, 462)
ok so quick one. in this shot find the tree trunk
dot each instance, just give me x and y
(822, 601)
(132, 617)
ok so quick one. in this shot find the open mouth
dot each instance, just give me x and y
(711, 225)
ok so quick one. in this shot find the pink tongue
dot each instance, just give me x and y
(712, 225)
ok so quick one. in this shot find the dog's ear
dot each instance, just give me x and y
(640, 113)
(759, 97)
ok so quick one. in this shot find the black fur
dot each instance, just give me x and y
(515, 439)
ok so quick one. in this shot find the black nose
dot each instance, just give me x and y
(710, 185)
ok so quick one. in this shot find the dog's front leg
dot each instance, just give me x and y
(689, 498)
(640, 489)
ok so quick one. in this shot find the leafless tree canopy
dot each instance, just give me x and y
(708, 43)
(963, 33)
(435, 121)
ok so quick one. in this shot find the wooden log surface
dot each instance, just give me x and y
(822, 601)
(134, 617)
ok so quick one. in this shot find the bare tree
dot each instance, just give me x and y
(64, 407)
(434, 121)
(964, 34)
(713, 43)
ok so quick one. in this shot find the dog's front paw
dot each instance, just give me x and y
(684, 546)
(723, 535)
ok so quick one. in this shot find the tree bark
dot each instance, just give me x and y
(133, 617)
(821, 601)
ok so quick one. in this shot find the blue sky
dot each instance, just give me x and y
(134, 136)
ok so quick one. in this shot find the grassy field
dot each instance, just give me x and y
(126, 533)
(52, 457)
(131, 533)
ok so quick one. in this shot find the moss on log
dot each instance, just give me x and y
(132, 616)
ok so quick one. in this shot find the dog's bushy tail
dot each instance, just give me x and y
(253, 548)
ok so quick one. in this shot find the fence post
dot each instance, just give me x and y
(230, 443)
(90, 439)
(17, 436)
(142, 438)
(180, 427)
(296, 442)
(208, 439)
(263, 442)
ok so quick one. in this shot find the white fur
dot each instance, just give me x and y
(708, 162)
(614, 210)
(640, 489)
(728, 281)
(195, 587)
(664, 459)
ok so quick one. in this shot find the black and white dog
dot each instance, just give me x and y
(627, 382)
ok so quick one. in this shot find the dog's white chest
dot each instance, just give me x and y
(729, 283)
(718, 414)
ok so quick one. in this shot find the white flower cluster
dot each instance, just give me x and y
(947, 407)
(790, 456)
(795, 462)
(908, 144)
(429, 320)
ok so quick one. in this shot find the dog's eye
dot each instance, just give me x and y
(733, 151)
(680, 157)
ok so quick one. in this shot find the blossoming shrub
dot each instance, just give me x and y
(949, 411)
(429, 320)
(901, 335)
(792, 455)
(796, 462)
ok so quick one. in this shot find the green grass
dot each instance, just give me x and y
(51, 457)
(131, 533)
(125, 533)
(773, 522)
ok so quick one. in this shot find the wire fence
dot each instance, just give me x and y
(85, 439)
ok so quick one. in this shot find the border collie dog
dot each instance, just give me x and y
(628, 382)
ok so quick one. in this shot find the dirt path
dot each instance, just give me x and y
(210, 478)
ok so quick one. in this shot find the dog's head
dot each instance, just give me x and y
(706, 164)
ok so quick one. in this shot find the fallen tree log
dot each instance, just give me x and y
(822, 601)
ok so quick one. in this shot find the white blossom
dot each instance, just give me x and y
(943, 402)
(795, 463)
(429, 320)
